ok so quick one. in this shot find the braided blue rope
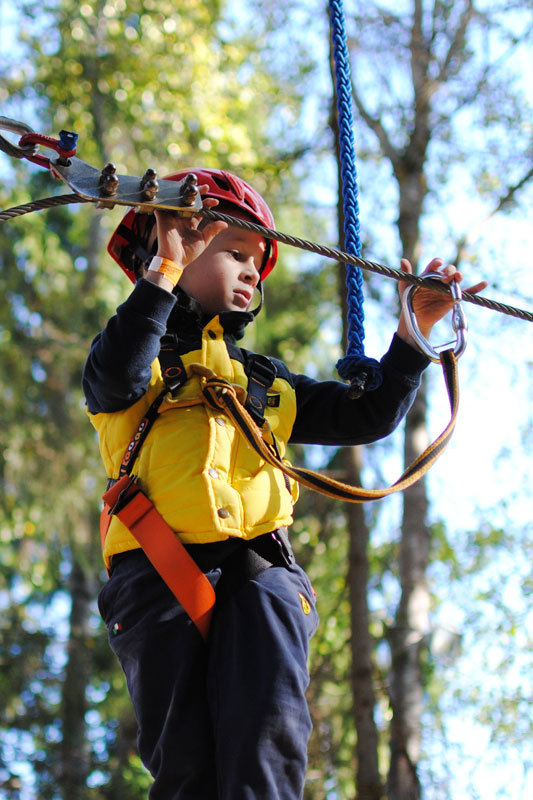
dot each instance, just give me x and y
(363, 372)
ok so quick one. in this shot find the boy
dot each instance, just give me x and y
(225, 718)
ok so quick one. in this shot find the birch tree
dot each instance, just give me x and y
(419, 69)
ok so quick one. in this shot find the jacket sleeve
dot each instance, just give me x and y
(327, 415)
(119, 366)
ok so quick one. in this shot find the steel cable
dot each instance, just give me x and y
(389, 272)
(302, 244)
(39, 205)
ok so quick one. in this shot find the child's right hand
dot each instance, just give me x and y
(182, 239)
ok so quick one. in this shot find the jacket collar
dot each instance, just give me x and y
(188, 318)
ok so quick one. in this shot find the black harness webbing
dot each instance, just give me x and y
(174, 375)
(261, 373)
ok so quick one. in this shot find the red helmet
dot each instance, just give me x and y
(126, 244)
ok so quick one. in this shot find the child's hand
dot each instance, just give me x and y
(182, 239)
(430, 306)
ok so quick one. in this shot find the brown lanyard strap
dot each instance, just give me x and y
(221, 394)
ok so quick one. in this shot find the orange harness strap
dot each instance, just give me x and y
(163, 548)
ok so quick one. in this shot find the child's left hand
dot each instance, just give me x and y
(430, 306)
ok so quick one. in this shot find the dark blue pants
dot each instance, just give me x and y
(222, 721)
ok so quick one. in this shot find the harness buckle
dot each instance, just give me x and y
(459, 322)
(120, 494)
(281, 537)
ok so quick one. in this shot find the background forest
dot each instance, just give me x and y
(421, 669)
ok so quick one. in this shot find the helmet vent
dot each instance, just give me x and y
(222, 183)
(229, 184)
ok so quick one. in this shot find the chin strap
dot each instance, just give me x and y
(255, 311)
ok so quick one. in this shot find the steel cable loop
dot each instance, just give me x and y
(8, 147)
(302, 244)
(13, 125)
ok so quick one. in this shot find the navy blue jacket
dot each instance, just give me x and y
(118, 370)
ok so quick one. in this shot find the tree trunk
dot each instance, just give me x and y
(411, 620)
(368, 780)
(406, 638)
(75, 758)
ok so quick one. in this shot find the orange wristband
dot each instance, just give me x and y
(166, 267)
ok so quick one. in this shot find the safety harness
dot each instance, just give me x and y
(173, 561)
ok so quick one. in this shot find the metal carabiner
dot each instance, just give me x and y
(459, 321)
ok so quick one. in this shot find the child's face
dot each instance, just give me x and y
(224, 276)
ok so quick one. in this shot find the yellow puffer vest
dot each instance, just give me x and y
(199, 472)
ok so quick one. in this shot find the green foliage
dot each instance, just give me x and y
(146, 84)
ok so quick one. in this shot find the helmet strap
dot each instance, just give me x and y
(255, 311)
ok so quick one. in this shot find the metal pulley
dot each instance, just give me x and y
(107, 188)
(104, 187)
